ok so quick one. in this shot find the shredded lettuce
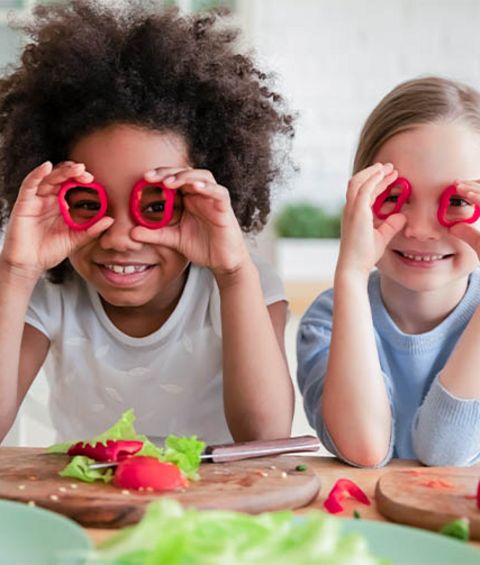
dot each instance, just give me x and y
(171, 535)
(182, 451)
(78, 468)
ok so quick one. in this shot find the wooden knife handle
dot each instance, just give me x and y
(251, 449)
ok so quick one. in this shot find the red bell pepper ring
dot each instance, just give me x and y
(109, 451)
(445, 203)
(143, 472)
(406, 190)
(342, 489)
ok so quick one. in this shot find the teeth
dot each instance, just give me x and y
(427, 258)
(126, 269)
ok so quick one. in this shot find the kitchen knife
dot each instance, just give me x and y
(226, 452)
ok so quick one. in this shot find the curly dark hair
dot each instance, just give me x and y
(89, 65)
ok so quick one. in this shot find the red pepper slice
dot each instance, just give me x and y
(148, 473)
(478, 495)
(341, 490)
(405, 190)
(110, 451)
(445, 203)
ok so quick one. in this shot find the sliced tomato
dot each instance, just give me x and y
(109, 451)
(148, 473)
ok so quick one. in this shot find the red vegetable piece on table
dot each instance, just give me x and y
(109, 451)
(478, 495)
(148, 473)
(342, 489)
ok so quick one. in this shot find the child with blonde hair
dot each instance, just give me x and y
(388, 359)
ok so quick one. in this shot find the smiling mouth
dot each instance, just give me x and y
(126, 269)
(423, 258)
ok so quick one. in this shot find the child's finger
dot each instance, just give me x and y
(62, 173)
(189, 177)
(209, 189)
(382, 185)
(467, 233)
(372, 187)
(162, 173)
(167, 236)
(98, 227)
(391, 226)
(32, 181)
(474, 183)
(358, 180)
(211, 196)
(470, 190)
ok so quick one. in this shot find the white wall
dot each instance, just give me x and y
(337, 58)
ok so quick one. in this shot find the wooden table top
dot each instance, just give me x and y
(329, 470)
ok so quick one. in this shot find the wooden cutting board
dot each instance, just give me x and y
(254, 485)
(430, 497)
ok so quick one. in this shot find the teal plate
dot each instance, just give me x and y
(31, 535)
(404, 545)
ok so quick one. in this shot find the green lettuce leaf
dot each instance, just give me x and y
(60, 447)
(171, 535)
(182, 451)
(78, 468)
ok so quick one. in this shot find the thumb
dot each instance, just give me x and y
(98, 227)
(167, 236)
(467, 233)
(391, 226)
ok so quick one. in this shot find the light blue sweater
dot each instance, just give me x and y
(429, 423)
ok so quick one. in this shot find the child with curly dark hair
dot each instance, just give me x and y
(157, 140)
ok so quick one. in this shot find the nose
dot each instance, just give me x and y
(117, 236)
(422, 223)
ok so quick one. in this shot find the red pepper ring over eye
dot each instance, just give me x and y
(152, 204)
(401, 190)
(448, 215)
(82, 204)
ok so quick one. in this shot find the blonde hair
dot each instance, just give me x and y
(414, 102)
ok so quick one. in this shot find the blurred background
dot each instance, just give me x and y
(333, 60)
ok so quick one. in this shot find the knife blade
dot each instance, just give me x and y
(227, 452)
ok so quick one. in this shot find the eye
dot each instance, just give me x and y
(154, 207)
(458, 202)
(391, 198)
(90, 205)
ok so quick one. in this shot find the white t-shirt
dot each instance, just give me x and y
(172, 378)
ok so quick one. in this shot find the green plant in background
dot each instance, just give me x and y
(200, 5)
(307, 220)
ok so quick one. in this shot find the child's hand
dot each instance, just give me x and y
(37, 237)
(208, 233)
(468, 232)
(363, 241)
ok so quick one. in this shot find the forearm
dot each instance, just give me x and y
(355, 404)
(15, 293)
(258, 393)
(446, 430)
(460, 374)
